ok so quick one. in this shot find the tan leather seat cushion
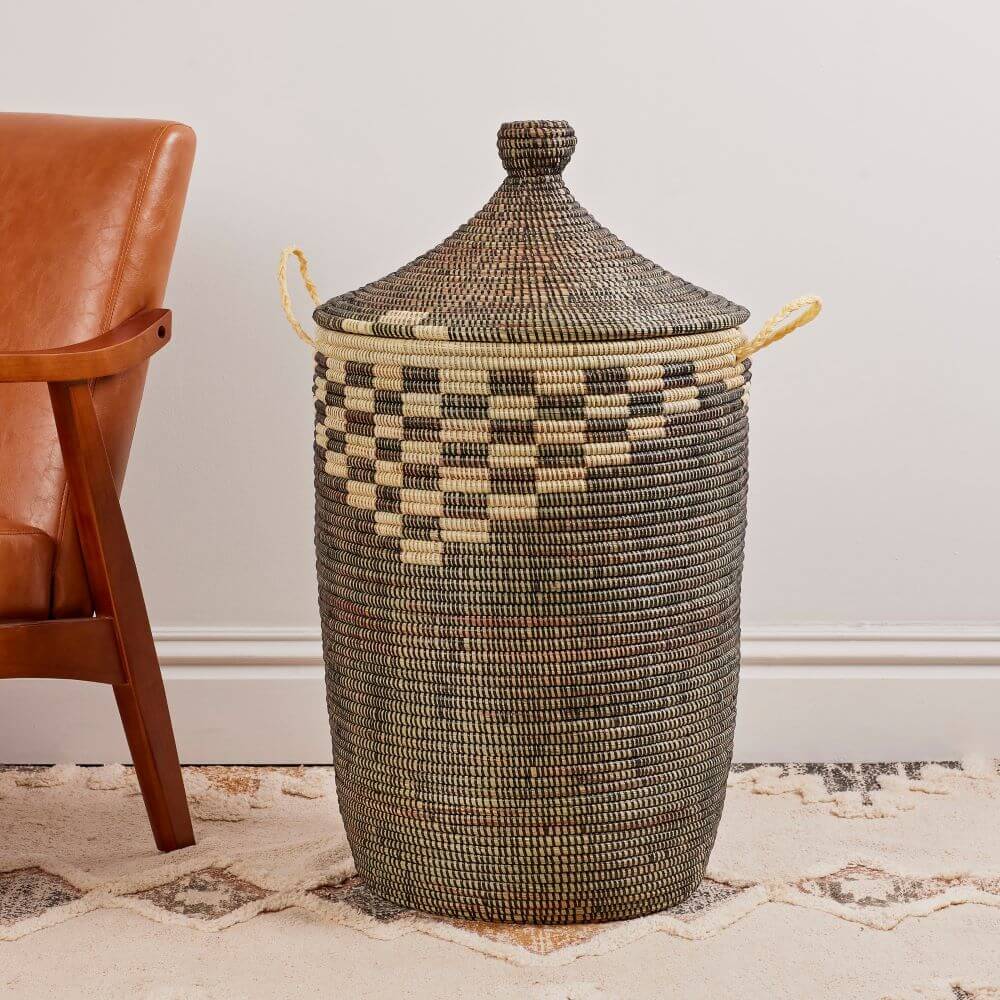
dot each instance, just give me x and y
(26, 581)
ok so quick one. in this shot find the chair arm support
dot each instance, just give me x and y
(124, 347)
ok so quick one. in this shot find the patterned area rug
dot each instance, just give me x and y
(873, 845)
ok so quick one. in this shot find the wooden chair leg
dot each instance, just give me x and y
(146, 718)
(117, 594)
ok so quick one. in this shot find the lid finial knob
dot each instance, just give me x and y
(535, 148)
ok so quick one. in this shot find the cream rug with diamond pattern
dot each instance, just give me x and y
(855, 881)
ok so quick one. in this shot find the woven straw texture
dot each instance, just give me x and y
(533, 265)
(529, 552)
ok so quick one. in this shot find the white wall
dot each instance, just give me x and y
(761, 149)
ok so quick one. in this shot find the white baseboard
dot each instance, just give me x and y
(854, 692)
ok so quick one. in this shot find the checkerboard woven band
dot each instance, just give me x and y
(437, 442)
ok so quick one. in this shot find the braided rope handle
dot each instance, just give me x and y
(808, 308)
(286, 299)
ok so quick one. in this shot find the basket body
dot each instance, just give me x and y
(529, 561)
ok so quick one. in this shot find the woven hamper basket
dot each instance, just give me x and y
(531, 476)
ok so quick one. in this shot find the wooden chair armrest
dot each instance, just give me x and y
(124, 347)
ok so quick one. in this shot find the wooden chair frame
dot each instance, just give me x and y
(115, 645)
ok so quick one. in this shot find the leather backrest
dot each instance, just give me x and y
(89, 214)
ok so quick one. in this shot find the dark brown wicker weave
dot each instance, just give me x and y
(531, 472)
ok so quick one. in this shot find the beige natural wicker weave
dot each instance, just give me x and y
(531, 472)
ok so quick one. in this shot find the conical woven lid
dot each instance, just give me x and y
(532, 265)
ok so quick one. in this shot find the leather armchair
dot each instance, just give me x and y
(89, 214)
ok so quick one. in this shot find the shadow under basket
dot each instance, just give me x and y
(531, 476)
